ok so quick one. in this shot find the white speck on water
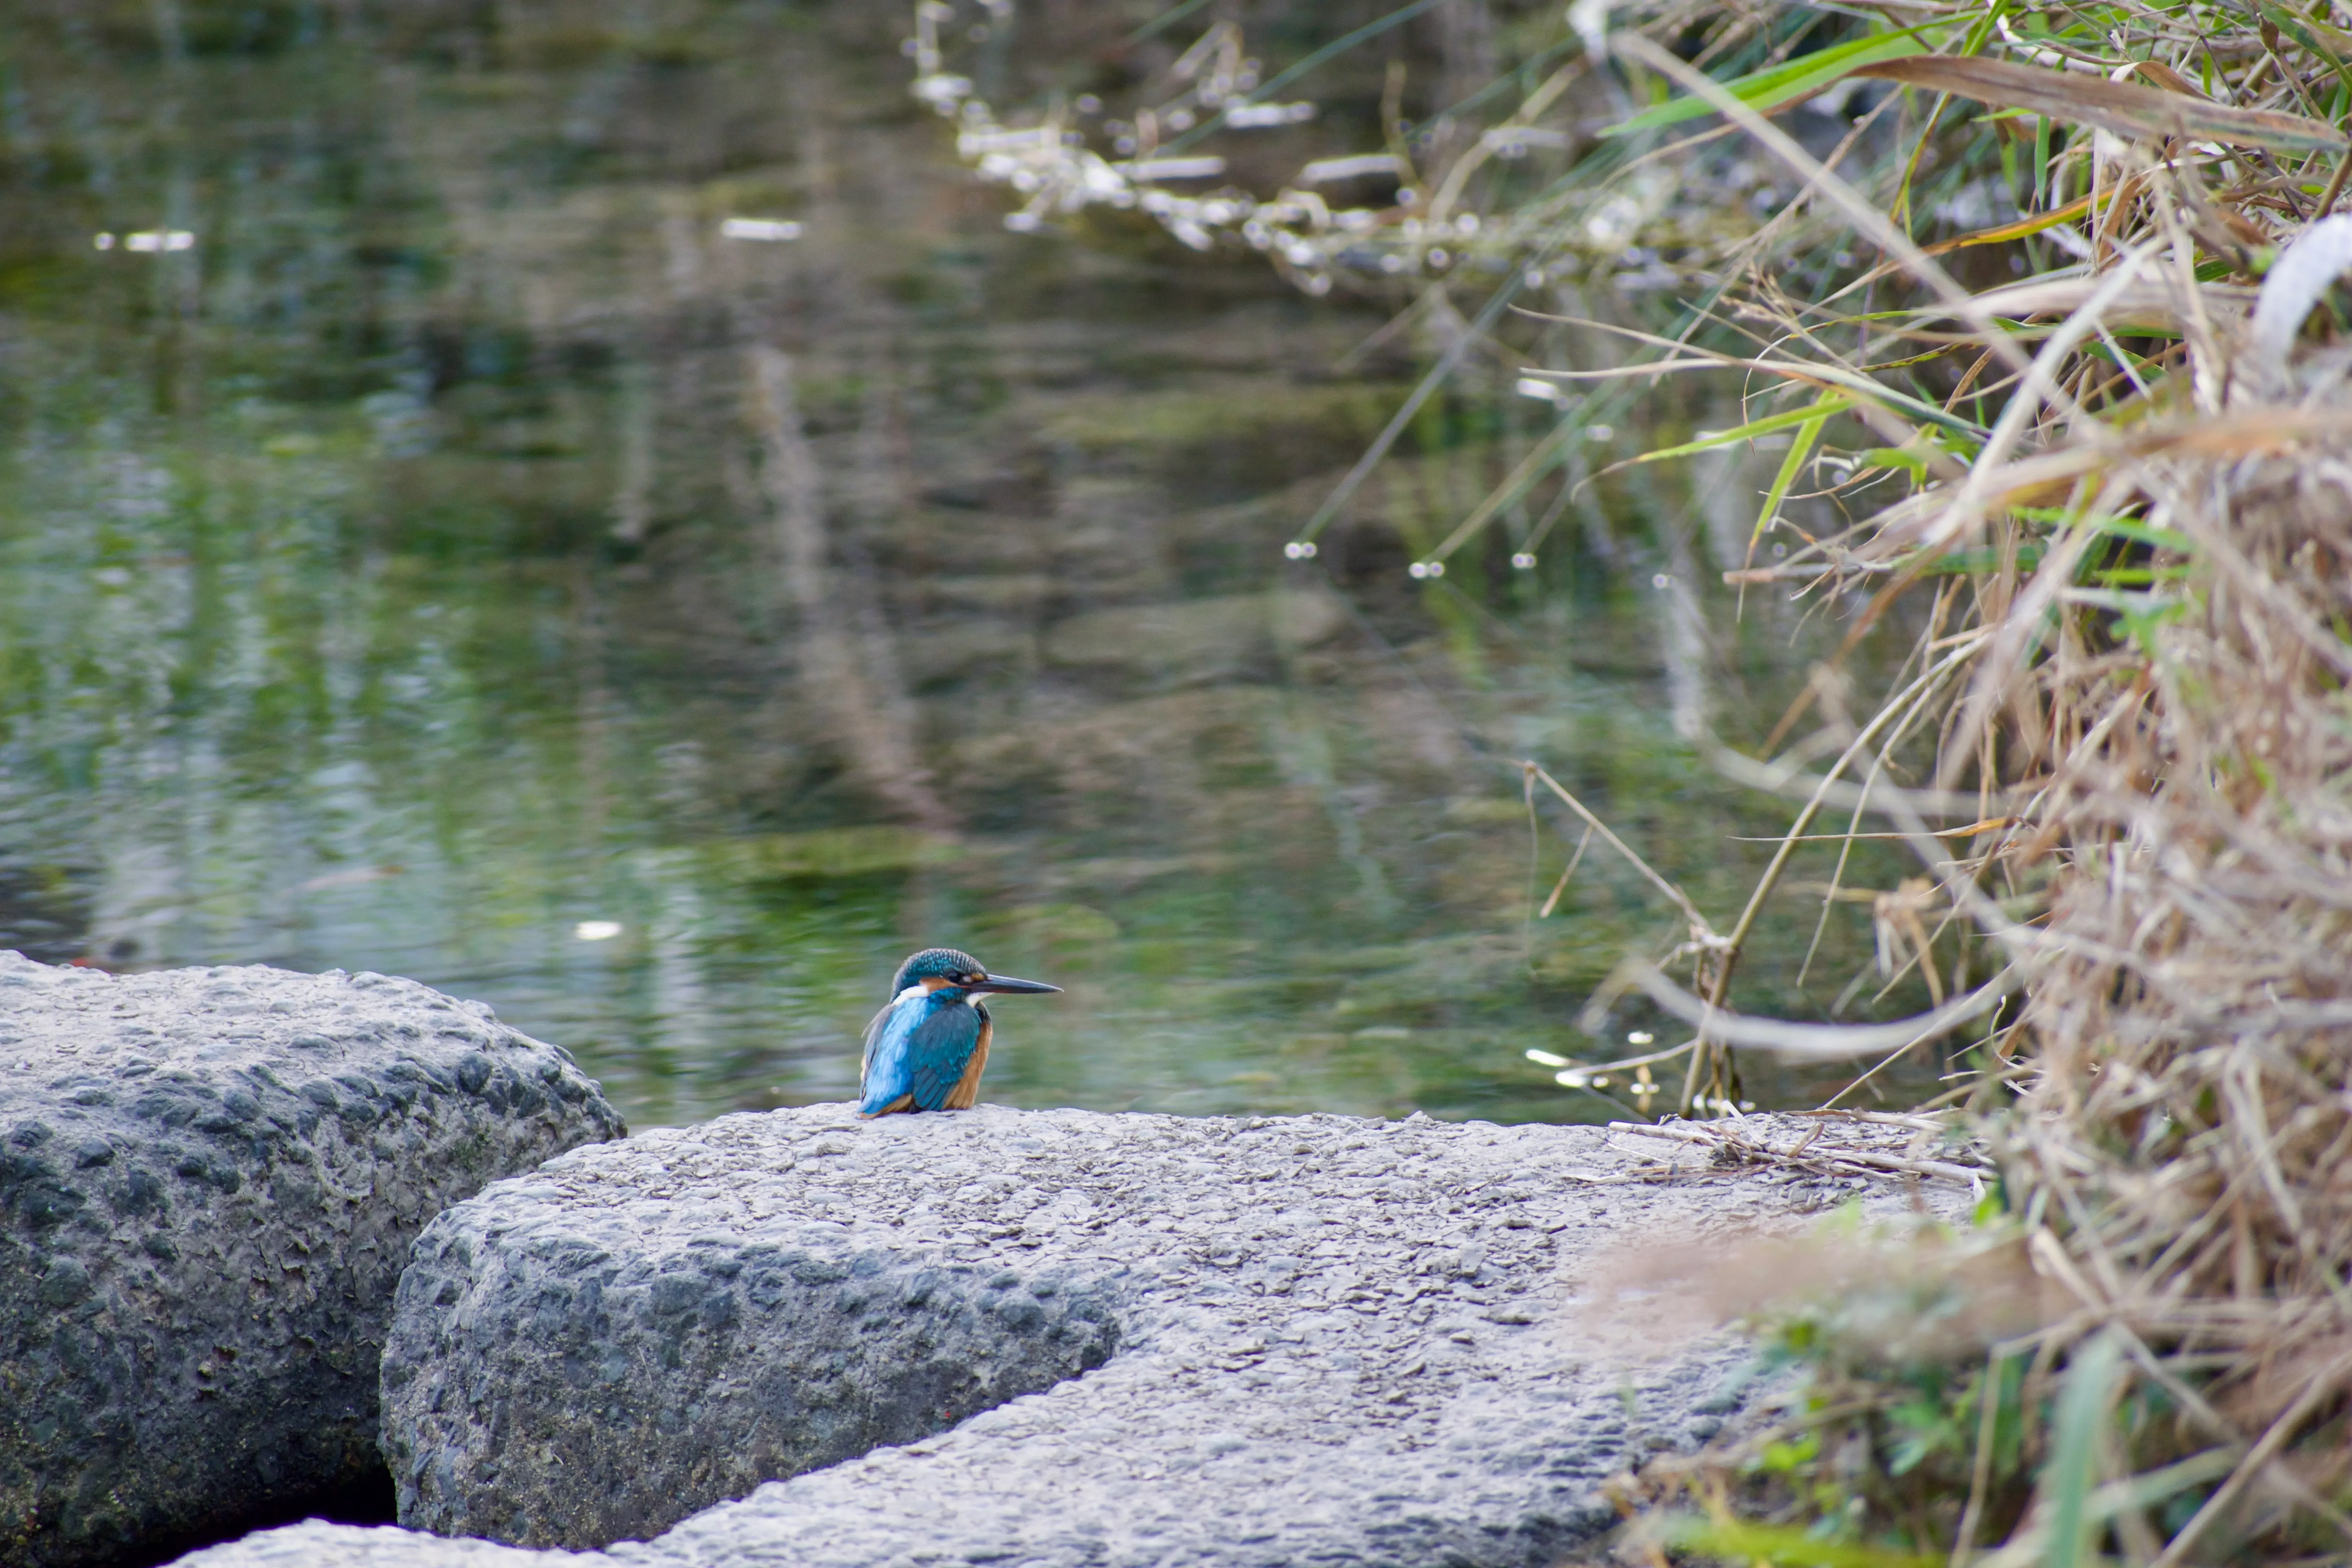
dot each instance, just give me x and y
(1254, 116)
(596, 930)
(762, 229)
(1204, 168)
(1325, 170)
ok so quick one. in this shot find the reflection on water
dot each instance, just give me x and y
(603, 519)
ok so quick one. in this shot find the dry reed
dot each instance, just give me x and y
(2119, 747)
(2146, 690)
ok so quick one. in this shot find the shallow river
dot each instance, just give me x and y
(459, 556)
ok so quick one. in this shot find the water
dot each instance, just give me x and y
(465, 560)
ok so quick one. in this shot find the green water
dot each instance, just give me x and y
(461, 549)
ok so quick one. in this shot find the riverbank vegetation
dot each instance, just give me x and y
(2036, 307)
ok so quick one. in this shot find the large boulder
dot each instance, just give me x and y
(209, 1182)
(1328, 1340)
(589, 1370)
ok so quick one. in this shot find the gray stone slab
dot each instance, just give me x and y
(314, 1544)
(571, 1366)
(209, 1182)
(1329, 1340)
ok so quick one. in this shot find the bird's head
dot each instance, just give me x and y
(943, 968)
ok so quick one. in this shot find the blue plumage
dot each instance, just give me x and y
(920, 1047)
(926, 1049)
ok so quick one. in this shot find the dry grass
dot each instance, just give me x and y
(2118, 493)
(2144, 682)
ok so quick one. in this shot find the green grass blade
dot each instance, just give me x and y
(1862, 388)
(2074, 1450)
(2330, 44)
(1812, 413)
(1546, 456)
(1167, 18)
(1791, 464)
(1784, 1546)
(1769, 89)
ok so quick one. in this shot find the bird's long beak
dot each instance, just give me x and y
(1014, 987)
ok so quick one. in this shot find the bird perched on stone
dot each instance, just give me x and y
(926, 1049)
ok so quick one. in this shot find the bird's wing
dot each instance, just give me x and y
(938, 1047)
(883, 1075)
(873, 1033)
(919, 1047)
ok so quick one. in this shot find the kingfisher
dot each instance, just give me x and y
(926, 1048)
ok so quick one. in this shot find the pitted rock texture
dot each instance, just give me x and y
(209, 1182)
(568, 1366)
(1336, 1340)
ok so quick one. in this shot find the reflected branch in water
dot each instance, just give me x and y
(849, 676)
(634, 485)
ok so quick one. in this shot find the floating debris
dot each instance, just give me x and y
(770, 229)
(1256, 116)
(1171, 168)
(1331, 170)
(146, 239)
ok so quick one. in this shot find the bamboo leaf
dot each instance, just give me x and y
(2127, 108)
(1769, 89)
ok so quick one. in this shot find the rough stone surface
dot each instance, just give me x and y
(314, 1544)
(570, 1367)
(1331, 1339)
(209, 1182)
